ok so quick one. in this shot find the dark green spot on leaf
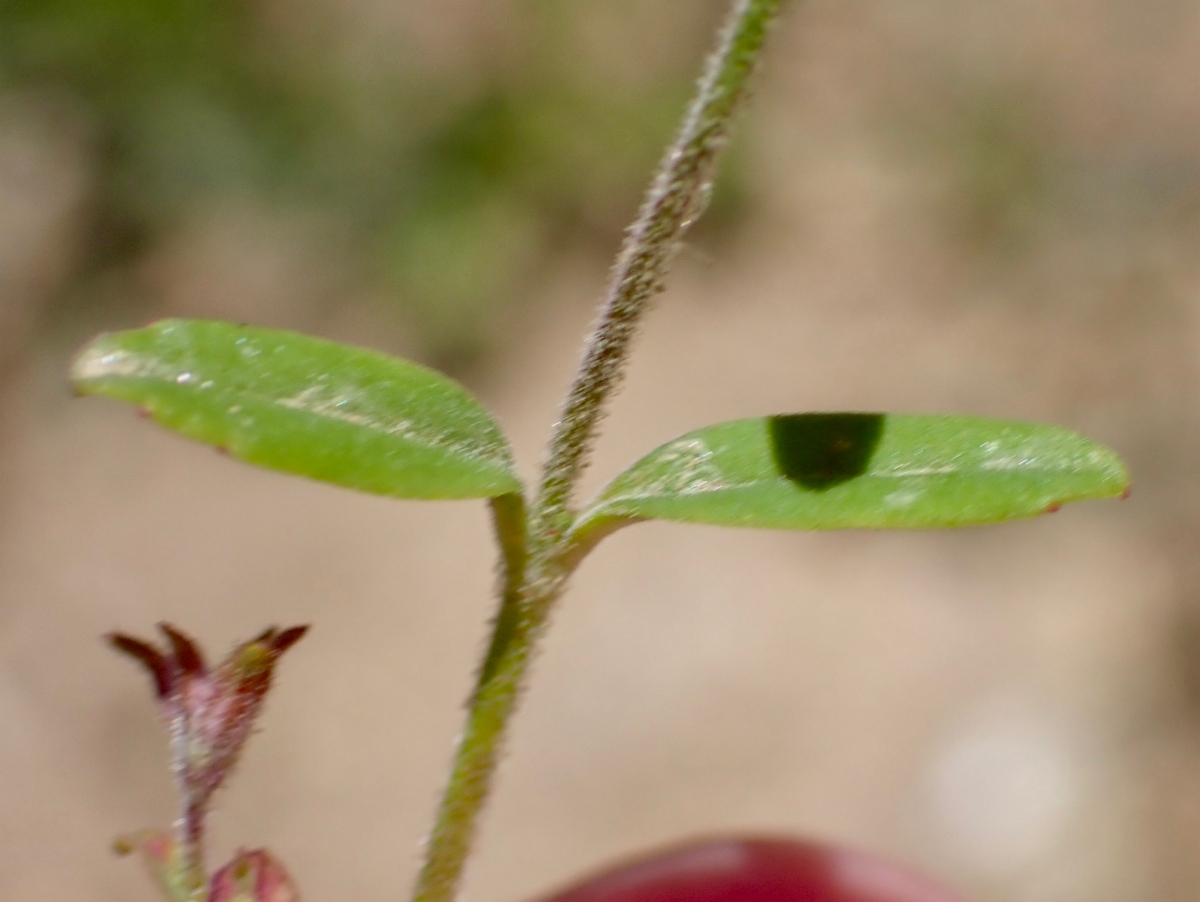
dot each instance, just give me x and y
(820, 450)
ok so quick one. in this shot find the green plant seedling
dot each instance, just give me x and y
(366, 421)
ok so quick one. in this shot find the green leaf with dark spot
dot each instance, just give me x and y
(344, 415)
(858, 471)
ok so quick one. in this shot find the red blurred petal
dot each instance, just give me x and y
(755, 870)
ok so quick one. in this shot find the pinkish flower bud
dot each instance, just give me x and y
(210, 713)
(252, 876)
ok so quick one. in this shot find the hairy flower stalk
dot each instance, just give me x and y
(209, 713)
(538, 552)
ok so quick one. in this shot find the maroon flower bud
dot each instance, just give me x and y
(210, 712)
(252, 876)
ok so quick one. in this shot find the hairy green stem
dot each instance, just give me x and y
(191, 850)
(497, 686)
(537, 554)
(677, 196)
(189, 826)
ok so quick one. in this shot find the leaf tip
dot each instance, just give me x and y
(102, 359)
(89, 364)
(187, 653)
(284, 640)
(160, 669)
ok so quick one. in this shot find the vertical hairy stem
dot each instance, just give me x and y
(190, 836)
(189, 827)
(537, 561)
(676, 198)
(497, 686)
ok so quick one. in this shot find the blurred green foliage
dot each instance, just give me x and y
(1002, 173)
(453, 187)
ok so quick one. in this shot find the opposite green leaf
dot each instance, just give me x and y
(858, 471)
(349, 416)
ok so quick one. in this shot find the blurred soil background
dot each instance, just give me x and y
(933, 205)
